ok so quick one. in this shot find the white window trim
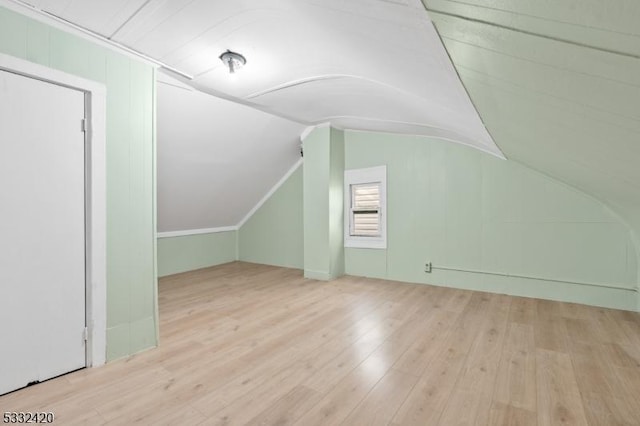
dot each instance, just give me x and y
(360, 176)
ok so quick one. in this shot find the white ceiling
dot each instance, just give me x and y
(359, 64)
(310, 60)
(216, 158)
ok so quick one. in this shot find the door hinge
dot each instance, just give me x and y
(83, 125)
(85, 334)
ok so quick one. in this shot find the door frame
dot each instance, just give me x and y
(95, 196)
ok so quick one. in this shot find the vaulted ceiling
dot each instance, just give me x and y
(557, 83)
(359, 64)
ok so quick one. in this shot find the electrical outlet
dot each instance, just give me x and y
(427, 267)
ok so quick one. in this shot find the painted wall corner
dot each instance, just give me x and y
(191, 252)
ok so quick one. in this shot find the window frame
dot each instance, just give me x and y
(358, 177)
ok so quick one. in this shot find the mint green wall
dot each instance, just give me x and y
(322, 203)
(558, 86)
(274, 234)
(456, 207)
(316, 203)
(131, 280)
(336, 203)
(189, 252)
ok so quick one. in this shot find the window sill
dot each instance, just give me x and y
(364, 242)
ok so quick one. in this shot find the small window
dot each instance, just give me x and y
(365, 208)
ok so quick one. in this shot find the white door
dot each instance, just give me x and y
(42, 231)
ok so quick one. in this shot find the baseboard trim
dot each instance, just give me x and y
(317, 275)
(570, 292)
(171, 234)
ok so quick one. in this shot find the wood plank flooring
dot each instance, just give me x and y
(260, 345)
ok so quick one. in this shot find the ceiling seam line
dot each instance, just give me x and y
(532, 16)
(518, 30)
(537, 62)
(513, 87)
(113, 34)
(101, 38)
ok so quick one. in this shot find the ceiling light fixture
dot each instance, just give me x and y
(233, 60)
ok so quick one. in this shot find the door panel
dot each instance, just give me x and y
(42, 231)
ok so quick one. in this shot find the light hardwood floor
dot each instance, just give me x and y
(260, 345)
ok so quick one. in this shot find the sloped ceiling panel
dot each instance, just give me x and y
(387, 48)
(216, 159)
(558, 85)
